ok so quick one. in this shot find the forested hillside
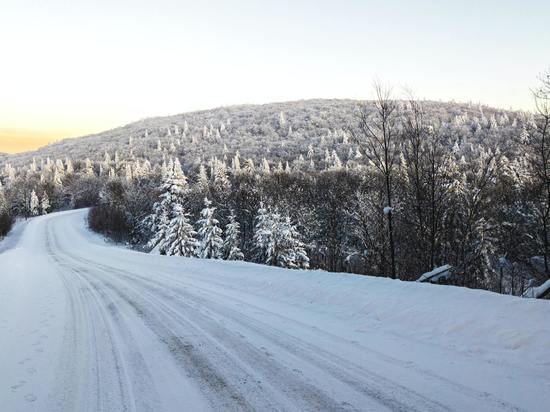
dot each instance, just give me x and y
(386, 187)
(278, 132)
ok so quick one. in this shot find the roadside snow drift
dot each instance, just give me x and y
(88, 326)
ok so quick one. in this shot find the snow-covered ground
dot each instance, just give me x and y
(85, 326)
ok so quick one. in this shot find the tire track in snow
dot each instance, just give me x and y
(372, 387)
(97, 340)
(255, 395)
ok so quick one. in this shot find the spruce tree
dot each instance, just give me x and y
(180, 238)
(262, 233)
(34, 204)
(45, 204)
(167, 222)
(210, 241)
(231, 250)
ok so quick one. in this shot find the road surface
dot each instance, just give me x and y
(88, 326)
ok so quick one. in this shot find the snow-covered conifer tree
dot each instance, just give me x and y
(310, 152)
(69, 166)
(249, 166)
(209, 245)
(180, 235)
(237, 163)
(169, 221)
(221, 180)
(57, 178)
(282, 119)
(129, 175)
(34, 204)
(45, 204)
(88, 168)
(265, 166)
(202, 179)
(160, 226)
(231, 250)
(263, 232)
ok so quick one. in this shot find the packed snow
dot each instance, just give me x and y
(85, 325)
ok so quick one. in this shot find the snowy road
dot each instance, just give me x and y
(85, 326)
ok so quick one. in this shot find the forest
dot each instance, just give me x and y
(389, 187)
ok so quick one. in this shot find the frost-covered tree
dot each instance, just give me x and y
(202, 179)
(57, 178)
(129, 175)
(88, 168)
(277, 241)
(34, 204)
(45, 204)
(219, 175)
(209, 243)
(160, 227)
(168, 210)
(284, 248)
(69, 166)
(180, 235)
(237, 163)
(265, 166)
(231, 250)
(249, 166)
(263, 232)
(282, 120)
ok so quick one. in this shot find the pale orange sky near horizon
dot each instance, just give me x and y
(22, 140)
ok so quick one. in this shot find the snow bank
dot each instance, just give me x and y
(496, 328)
(10, 240)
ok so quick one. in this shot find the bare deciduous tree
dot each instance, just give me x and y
(377, 133)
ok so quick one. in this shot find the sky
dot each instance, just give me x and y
(74, 67)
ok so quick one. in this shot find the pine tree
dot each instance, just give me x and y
(160, 226)
(69, 166)
(180, 236)
(202, 179)
(262, 233)
(237, 163)
(231, 250)
(282, 119)
(88, 168)
(219, 175)
(284, 248)
(57, 178)
(167, 222)
(45, 204)
(129, 175)
(209, 234)
(249, 166)
(265, 166)
(294, 254)
(34, 204)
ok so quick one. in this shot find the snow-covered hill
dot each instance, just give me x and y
(88, 326)
(277, 131)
